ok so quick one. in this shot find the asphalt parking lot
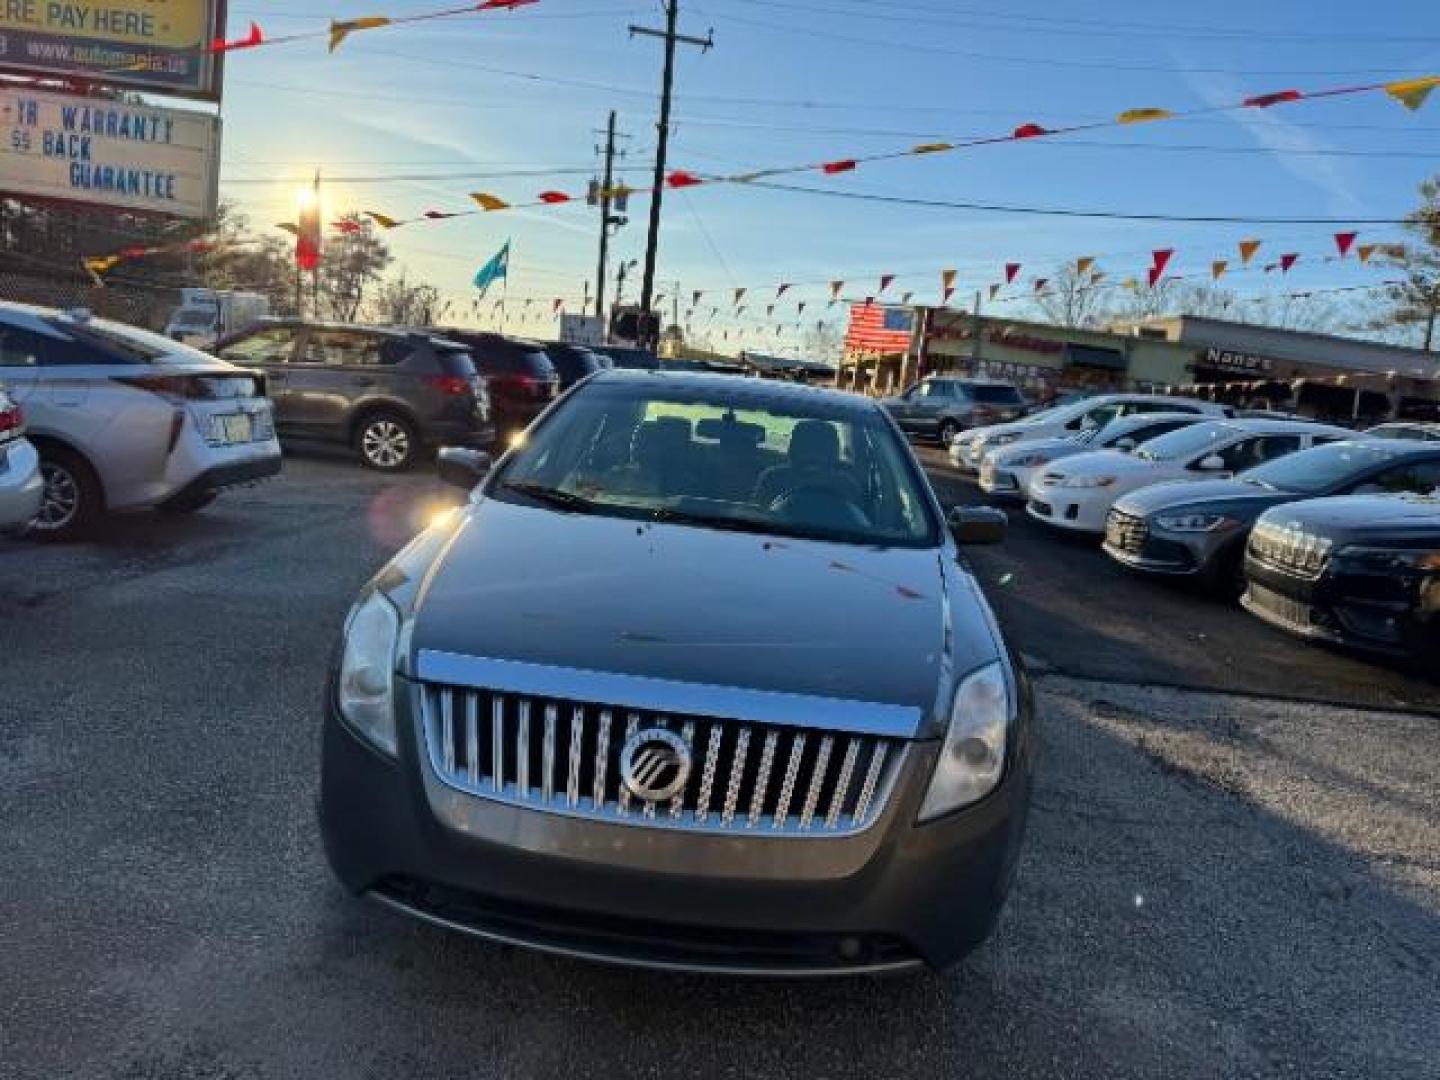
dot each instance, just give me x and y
(1233, 867)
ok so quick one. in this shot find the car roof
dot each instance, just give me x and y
(1398, 448)
(1282, 427)
(290, 322)
(727, 385)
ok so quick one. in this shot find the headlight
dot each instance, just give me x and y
(1194, 523)
(1087, 482)
(1030, 461)
(973, 754)
(366, 694)
(1385, 559)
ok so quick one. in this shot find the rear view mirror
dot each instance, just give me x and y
(972, 526)
(462, 468)
(1213, 463)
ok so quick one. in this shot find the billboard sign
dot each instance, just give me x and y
(108, 153)
(156, 45)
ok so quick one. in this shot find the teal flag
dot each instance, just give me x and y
(495, 270)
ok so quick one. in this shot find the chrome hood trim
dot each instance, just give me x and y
(670, 696)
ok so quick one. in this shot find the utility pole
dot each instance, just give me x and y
(705, 44)
(605, 218)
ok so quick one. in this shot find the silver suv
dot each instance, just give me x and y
(941, 407)
(127, 420)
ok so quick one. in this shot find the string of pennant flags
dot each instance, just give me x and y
(1411, 93)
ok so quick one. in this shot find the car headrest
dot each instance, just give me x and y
(814, 443)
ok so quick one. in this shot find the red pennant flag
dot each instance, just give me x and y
(800, 308)
(1264, 101)
(1029, 131)
(347, 226)
(781, 291)
(1344, 240)
(1162, 260)
(830, 168)
(682, 179)
(1012, 270)
(869, 301)
(553, 197)
(886, 281)
(1287, 261)
(1156, 273)
(490, 5)
(835, 287)
(695, 297)
(556, 306)
(1040, 284)
(133, 252)
(254, 39)
(949, 292)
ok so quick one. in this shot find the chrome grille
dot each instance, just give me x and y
(1126, 532)
(1290, 550)
(564, 757)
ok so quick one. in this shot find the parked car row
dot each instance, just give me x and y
(1331, 534)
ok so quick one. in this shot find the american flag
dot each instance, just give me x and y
(877, 329)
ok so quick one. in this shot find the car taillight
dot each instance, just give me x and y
(515, 384)
(451, 385)
(11, 419)
(216, 387)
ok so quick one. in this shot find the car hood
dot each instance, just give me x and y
(1358, 515)
(1059, 447)
(699, 606)
(1235, 493)
(1100, 462)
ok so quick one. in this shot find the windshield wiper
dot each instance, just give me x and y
(704, 521)
(562, 500)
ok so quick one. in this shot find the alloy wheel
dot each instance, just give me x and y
(385, 444)
(61, 500)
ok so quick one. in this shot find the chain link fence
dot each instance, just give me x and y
(140, 305)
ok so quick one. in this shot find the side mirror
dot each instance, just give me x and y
(972, 526)
(462, 468)
(1213, 463)
(1125, 445)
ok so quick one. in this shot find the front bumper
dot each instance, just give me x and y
(1072, 509)
(1383, 616)
(894, 896)
(22, 486)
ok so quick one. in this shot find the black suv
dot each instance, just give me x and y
(573, 362)
(522, 380)
(386, 392)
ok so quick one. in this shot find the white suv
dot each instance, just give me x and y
(969, 448)
(126, 420)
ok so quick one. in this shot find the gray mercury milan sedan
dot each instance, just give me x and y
(698, 679)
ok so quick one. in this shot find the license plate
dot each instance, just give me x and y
(235, 428)
(1282, 607)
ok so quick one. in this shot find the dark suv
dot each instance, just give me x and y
(522, 380)
(386, 392)
(573, 362)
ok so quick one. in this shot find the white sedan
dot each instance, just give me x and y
(1077, 493)
(1006, 472)
(969, 448)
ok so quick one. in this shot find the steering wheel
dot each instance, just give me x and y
(837, 502)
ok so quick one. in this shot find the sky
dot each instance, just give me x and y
(408, 119)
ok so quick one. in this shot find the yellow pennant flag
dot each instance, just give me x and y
(1218, 268)
(1083, 264)
(293, 229)
(339, 30)
(932, 148)
(1144, 116)
(1248, 248)
(489, 202)
(99, 264)
(1365, 251)
(947, 278)
(381, 220)
(1130, 283)
(1395, 251)
(1412, 92)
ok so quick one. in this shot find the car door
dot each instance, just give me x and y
(270, 351)
(327, 379)
(934, 397)
(902, 408)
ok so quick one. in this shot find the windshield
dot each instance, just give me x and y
(1318, 469)
(748, 459)
(991, 394)
(136, 344)
(196, 318)
(1185, 443)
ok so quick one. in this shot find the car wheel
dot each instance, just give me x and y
(386, 442)
(948, 430)
(189, 504)
(73, 499)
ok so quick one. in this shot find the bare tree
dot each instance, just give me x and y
(352, 261)
(1073, 299)
(401, 302)
(824, 342)
(1415, 304)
